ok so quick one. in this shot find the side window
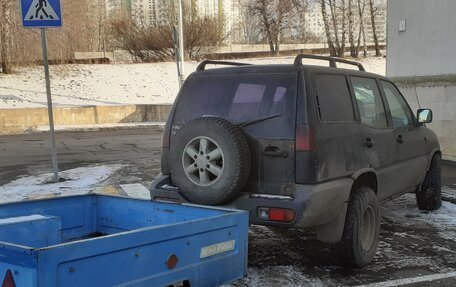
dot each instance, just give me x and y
(334, 99)
(370, 103)
(400, 111)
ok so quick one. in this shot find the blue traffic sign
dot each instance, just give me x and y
(41, 13)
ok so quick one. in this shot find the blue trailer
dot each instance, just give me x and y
(95, 240)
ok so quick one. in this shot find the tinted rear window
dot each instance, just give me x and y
(240, 99)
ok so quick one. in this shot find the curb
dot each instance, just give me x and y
(159, 126)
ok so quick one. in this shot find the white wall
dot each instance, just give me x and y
(423, 60)
(428, 45)
(442, 101)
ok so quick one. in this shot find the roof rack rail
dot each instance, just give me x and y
(332, 61)
(202, 65)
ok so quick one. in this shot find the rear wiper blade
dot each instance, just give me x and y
(251, 122)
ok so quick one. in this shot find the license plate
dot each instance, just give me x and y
(218, 248)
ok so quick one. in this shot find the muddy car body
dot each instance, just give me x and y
(300, 146)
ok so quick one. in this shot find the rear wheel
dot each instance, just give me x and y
(429, 195)
(362, 228)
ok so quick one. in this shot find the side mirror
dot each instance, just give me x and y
(424, 116)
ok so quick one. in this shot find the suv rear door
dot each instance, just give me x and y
(264, 106)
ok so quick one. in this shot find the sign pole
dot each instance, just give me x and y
(181, 44)
(177, 54)
(49, 102)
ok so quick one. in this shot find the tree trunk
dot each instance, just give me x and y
(344, 32)
(270, 42)
(374, 30)
(5, 40)
(277, 44)
(332, 50)
(351, 37)
(268, 33)
(332, 7)
(358, 45)
(364, 43)
(362, 28)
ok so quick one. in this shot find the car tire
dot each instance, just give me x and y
(429, 195)
(209, 160)
(361, 231)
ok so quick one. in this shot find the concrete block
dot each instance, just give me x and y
(12, 120)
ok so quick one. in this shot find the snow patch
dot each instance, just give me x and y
(404, 208)
(284, 276)
(78, 181)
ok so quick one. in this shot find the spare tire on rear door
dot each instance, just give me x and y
(210, 160)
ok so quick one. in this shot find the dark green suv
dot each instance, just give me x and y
(300, 146)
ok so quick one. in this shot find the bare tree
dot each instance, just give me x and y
(80, 32)
(335, 25)
(373, 12)
(277, 18)
(251, 30)
(332, 49)
(202, 35)
(145, 44)
(335, 22)
(5, 35)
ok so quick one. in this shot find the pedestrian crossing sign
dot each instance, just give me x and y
(41, 13)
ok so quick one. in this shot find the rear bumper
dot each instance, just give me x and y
(314, 205)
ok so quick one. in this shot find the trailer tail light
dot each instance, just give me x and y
(8, 281)
(276, 214)
(304, 138)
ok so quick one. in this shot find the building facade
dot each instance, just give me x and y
(118, 7)
(421, 60)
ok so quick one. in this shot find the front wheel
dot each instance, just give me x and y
(429, 195)
(361, 231)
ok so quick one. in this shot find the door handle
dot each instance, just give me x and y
(369, 142)
(400, 139)
(274, 151)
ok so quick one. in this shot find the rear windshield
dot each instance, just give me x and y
(240, 99)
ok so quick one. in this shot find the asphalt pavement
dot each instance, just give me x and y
(30, 154)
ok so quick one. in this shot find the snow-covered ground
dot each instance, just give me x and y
(82, 85)
(77, 181)
(444, 219)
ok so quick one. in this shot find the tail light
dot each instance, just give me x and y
(276, 214)
(8, 281)
(304, 138)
